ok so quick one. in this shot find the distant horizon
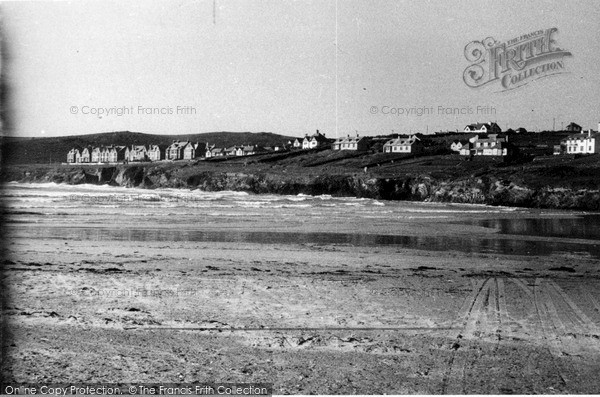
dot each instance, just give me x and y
(292, 67)
(292, 136)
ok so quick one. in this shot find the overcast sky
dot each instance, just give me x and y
(272, 65)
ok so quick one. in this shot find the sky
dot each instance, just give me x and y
(285, 66)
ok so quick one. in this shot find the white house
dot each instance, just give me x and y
(96, 155)
(314, 141)
(583, 143)
(116, 154)
(156, 152)
(490, 146)
(412, 144)
(104, 155)
(231, 151)
(193, 150)
(214, 151)
(249, 150)
(136, 153)
(355, 143)
(86, 155)
(73, 156)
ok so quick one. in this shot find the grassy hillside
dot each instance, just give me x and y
(54, 150)
(566, 182)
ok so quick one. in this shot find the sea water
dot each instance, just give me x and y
(93, 212)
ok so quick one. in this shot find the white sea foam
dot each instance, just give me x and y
(53, 195)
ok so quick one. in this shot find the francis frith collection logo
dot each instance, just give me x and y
(514, 63)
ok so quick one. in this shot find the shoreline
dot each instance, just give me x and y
(495, 187)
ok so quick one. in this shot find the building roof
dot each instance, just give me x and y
(117, 148)
(178, 144)
(402, 141)
(350, 139)
(490, 138)
(582, 136)
(316, 136)
(478, 126)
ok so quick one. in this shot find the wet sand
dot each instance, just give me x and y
(313, 294)
(310, 318)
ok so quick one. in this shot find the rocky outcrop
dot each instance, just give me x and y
(482, 189)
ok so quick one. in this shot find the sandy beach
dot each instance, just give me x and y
(309, 317)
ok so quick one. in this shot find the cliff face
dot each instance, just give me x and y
(474, 190)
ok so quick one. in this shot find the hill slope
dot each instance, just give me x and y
(54, 149)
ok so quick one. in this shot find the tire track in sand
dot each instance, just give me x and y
(567, 329)
(562, 323)
(583, 324)
(483, 316)
(503, 312)
(469, 315)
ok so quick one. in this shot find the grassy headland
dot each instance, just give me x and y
(556, 182)
(544, 181)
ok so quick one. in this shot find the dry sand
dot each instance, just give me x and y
(309, 318)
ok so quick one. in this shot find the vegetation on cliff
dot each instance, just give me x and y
(550, 182)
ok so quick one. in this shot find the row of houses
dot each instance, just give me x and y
(487, 142)
(489, 145)
(108, 154)
(493, 128)
(178, 150)
(244, 150)
(411, 144)
(134, 153)
(494, 145)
